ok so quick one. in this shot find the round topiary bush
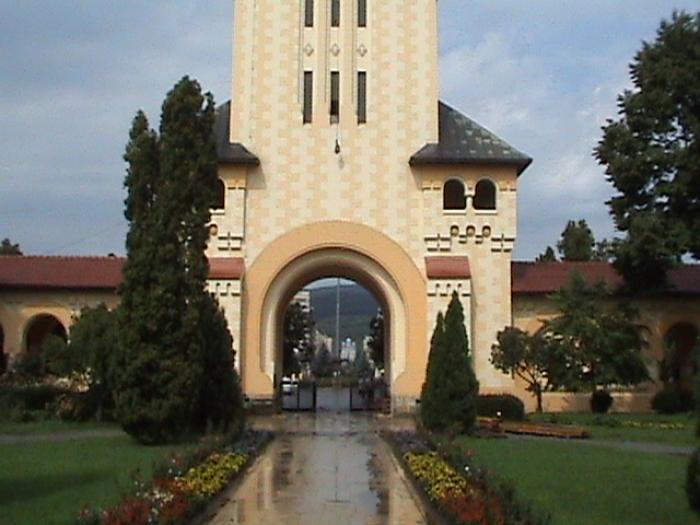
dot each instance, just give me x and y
(672, 400)
(601, 401)
(505, 406)
(692, 482)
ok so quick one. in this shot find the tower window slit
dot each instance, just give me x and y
(309, 13)
(335, 13)
(362, 97)
(308, 96)
(335, 97)
(361, 13)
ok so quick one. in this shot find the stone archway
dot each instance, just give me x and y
(335, 249)
(681, 342)
(39, 328)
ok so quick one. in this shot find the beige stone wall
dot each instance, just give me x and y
(19, 308)
(657, 316)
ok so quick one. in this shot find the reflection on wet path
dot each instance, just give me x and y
(324, 468)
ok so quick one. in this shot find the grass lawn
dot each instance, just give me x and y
(48, 483)
(649, 428)
(52, 427)
(583, 485)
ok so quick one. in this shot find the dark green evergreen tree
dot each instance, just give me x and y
(376, 339)
(296, 343)
(8, 248)
(451, 389)
(168, 339)
(652, 155)
(547, 256)
(577, 242)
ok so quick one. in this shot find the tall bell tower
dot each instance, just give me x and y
(337, 158)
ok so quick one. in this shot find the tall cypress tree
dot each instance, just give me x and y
(451, 389)
(174, 342)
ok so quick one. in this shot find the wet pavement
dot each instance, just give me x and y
(331, 467)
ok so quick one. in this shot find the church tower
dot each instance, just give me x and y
(337, 159)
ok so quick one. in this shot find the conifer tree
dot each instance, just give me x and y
(451, 389)
(174, 348)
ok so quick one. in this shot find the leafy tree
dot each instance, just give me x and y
(171, 330)
(91, 351)
(448, 401)
(547, 256)
(322, 363)
(541, 361)
(298, 326)
(376, 339)
(7, 248)
(604, 251)
(577, 242)
(603, 342)
(652, 155)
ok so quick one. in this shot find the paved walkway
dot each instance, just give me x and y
(325, 468)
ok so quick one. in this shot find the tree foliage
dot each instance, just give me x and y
(8, 248)
(90, 352)
(577, 242)
(547, 256)
(540, 360)
(172, 341)
(297, 345)
(652, 155)
(602, 342)
(376, 339)
(448, 400)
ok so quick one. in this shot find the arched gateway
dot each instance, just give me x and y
(344, 249)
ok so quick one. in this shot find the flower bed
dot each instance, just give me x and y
(181, 486)
(458, 490)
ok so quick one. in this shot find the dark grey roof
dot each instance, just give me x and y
(230, 152)
(463, 141)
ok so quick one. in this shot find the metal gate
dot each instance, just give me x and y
(369, 396)
(299, 396)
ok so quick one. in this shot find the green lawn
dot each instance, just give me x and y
(584, 485)
(649, 428)
(48, 483)
(52, 427)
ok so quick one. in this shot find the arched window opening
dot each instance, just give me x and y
(454, 195)
(39, 330)
(219, 195)
(485, 195)
(679, 365)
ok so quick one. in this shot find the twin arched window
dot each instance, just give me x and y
(454, 195)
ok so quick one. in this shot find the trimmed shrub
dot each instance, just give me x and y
(505, 406)
(692, 482)
(601, 401)
(448, 400)
(672, 400)
(38, 397)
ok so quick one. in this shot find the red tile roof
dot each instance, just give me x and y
(85, 273)
(549, 277)
(447, 267)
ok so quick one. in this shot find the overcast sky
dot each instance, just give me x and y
(542, 74)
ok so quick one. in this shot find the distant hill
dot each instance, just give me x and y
(357, 308)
